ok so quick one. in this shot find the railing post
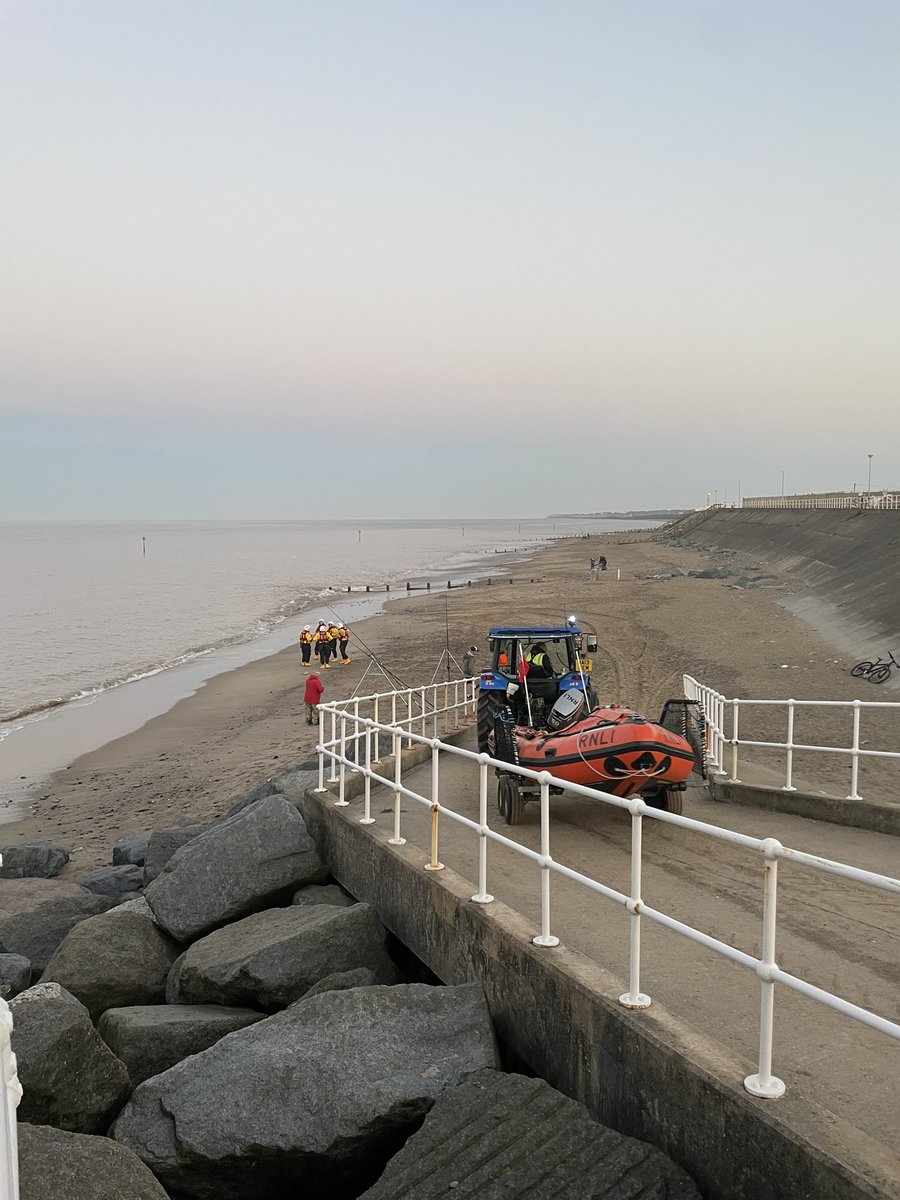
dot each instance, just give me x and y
(764, 1083)
(735, 710)
(12, 1094)
(320, 750)
(356, 735)
(854, 761)
(545, 937)
(634, 997)
(422, 700)
(332, 778)
(789, 762)
(343, 768)
(482, 896)
(375, 733)
(397, 840)
(393, 708)
(367, 818)
(446, 708)
(435, 865)
(435, 713)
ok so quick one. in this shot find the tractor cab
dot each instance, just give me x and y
(531, 667)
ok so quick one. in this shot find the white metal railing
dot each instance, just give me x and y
(10, 1095)
(366, 732)
(834, 500)
(724, 739)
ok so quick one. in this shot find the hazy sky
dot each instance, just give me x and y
(262, 258)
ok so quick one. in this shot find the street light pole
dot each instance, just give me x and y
(870, 457)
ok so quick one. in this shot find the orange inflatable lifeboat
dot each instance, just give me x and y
(613, 749)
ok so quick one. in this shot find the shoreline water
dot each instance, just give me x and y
(52, 737)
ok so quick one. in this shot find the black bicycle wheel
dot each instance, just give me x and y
(861, 668)
(879, 674)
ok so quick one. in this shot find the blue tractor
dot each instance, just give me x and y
(556, 659)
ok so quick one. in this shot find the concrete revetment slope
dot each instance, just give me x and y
(843, 565)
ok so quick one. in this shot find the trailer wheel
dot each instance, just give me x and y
(510, 801)
(489, 704)
(669, 800)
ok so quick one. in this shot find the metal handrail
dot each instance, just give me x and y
(715, 706)
(762, 1083)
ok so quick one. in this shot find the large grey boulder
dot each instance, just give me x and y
(340, 981)
(138, 905)
(114, 960)
(54, 1165)
(260, 792)
(505, 1137)
(115, 882)
(271, 958)
(132, 849)
(69, 1077)
(324, 893)
(256, 858)
(163, 844)
(150, 1038)
(15, 974)
(32, 859)
(36, 914)
(312, 1101)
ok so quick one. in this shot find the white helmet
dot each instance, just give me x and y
(306, 629)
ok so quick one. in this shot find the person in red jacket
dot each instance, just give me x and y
(312, 696)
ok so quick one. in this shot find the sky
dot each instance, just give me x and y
(277, 259)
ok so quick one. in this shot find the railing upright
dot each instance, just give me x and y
(545, 937)
(12, 1094)
(321, 750)
(341, 800)
(435, 864)
(789, 760)
(482, 896)
(854, 761)
(422, 702)
(397, 840)
(367, 818)
(333, 774)
(735, 710)
(764, 1083)
(375, 732)
(634, 997)
(356, 733)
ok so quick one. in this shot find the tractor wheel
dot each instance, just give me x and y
(489, 704)
(668, 800)
(510, 801)
(685, 717)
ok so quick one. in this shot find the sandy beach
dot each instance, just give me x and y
(244, 726)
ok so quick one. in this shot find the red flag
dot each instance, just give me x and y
(521, 667)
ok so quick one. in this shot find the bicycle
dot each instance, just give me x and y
(875, 672)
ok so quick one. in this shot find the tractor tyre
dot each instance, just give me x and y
(489, 704)
(668, 800)
(510, 801)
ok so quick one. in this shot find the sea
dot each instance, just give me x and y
(107, 624)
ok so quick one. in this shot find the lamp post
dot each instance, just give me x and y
(870, 457)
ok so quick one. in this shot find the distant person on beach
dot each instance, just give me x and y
(312, 696)
(343, 639)
(601, 562)
(468, 662)
(305, 638)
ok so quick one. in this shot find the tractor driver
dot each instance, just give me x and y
(541, 678)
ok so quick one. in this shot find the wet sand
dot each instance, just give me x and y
(244, 726)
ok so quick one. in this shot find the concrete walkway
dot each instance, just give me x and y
(831, 932)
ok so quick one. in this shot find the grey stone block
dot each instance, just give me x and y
(32, 859)
(36, 914)
(54, 1165)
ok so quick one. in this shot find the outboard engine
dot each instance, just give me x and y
(571, 705)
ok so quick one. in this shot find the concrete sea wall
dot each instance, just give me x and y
(843, 565)
(645, 1074)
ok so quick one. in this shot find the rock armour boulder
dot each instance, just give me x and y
(115, 882)
(151, 1038)
(74, 1166)
(505, 1137)
(112, 961)
(324, 893)
(164, 842)
(248, 862)
(36, 914)
(271, 958)
(69, 1077)
(132, 849)
(15, 974)
(32, 859)
(312, 1101)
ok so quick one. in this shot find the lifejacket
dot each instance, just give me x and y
(343, 633)
(304, 636)
(321, 635)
